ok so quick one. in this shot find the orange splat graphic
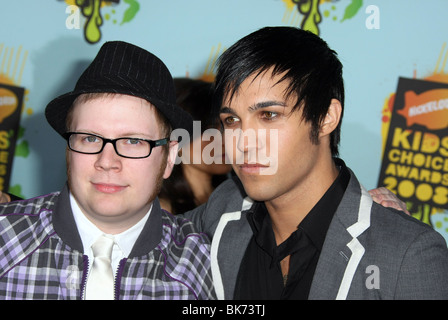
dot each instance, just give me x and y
(8, 103)
(429, 109)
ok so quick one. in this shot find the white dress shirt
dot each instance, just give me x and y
(89, 233)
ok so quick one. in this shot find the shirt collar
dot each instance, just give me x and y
(90, 232)
(317, 221)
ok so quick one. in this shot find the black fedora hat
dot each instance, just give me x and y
(124, 68)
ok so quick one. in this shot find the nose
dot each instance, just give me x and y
(250, 139)
(108, 159)
(248, 145)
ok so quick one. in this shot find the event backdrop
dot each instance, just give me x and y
(395, 128)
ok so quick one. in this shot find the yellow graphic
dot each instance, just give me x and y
(8, 103)
(12, 64)
(209, 74)
(439, 70)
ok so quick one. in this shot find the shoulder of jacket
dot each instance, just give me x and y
(229, 195)
(180, 230)
(29, 207)
(397, 223)
(24, 226)
(27, 218)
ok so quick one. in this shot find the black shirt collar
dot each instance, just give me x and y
(314, 226)
(318, 220)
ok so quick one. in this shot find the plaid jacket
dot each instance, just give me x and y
(41, 255)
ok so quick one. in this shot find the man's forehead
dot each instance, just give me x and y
(91, 107)
(263, 84)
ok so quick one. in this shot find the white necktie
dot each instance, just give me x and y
(100, 284)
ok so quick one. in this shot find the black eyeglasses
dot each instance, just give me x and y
(126, 147)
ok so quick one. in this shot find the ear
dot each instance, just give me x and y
(172, 153)
(332, 118)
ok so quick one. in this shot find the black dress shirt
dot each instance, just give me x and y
(260, 276)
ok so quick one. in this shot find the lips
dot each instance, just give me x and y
(108, 188)
(252, 168)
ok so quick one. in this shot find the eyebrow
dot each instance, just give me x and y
(266, 104)
(127, 134)
(255, 107)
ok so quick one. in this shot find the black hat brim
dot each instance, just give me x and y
(56, 111)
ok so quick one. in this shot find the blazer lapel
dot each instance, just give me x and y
(332, 262)
(230, 240)
(342, 250)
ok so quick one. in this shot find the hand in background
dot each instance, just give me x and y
(387, 198)
(4, 197)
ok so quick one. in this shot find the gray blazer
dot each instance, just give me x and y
(370, 252)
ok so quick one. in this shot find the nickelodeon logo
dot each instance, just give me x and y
(8, 103)
(429, 109)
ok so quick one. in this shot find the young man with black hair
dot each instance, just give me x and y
(307, 229)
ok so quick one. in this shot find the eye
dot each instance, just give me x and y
(133, 141)
(269, 115)
(91, 139)
(230, 121)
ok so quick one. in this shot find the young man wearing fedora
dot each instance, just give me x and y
(308, 229)
(104, 236)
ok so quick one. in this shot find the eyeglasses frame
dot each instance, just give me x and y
(152, 143)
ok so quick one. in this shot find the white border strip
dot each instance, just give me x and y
(354, 245)
(216, 272)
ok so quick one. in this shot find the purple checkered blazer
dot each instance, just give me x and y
(41, 255)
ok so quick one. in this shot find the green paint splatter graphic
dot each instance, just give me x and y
(22, 149)
(352, 9)
(312, 16)
(423, 213)
(16, 190)
(130, 13)
(91, 10)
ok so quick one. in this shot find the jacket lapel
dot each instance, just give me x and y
(342, 251)
(64, 222)
(230, 239)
